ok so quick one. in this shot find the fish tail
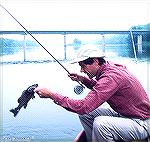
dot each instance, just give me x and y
(14, 111)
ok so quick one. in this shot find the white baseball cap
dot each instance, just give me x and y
(87, 52)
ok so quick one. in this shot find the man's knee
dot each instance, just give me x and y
(101, 121)
(100, 124)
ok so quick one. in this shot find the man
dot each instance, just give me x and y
(125, 119)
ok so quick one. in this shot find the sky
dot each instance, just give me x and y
(74, 15)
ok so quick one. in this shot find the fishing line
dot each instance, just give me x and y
(79, 88)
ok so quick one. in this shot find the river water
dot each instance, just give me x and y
(43, 120)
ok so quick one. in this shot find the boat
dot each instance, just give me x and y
(81, 137)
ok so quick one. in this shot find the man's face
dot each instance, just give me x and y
(89, 69)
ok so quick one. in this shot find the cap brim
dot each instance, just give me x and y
(78, 60)
(84, 58)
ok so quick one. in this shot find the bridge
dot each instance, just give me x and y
(136, 37)
(140, 32)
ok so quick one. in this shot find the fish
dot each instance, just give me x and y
(24, 99)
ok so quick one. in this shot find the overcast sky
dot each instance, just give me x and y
(75, 14)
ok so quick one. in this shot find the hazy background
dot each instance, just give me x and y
(75, 14)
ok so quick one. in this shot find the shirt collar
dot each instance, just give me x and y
(101, 70)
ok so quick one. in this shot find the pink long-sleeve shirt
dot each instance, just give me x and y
(115, 85)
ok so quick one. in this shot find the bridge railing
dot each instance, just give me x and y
(18, 46)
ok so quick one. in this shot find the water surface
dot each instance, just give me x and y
(44, 120)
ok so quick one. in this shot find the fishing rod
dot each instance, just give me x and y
(77, 89)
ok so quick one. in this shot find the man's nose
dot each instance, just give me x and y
(81, 70)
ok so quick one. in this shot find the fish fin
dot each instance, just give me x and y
(25, 106)
(14, 111)
(19, 100)
(33, 96)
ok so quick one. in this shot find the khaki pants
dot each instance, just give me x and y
(106, 125)
(148, 128)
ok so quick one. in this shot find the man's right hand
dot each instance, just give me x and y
(75, 77)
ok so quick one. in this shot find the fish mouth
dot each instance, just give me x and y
(36, 85)
(32, 87)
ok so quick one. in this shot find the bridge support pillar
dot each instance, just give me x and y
(24, 47)
(139, 44)
(65, 46)
(103, 44)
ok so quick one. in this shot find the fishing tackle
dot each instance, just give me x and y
(77, 89)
